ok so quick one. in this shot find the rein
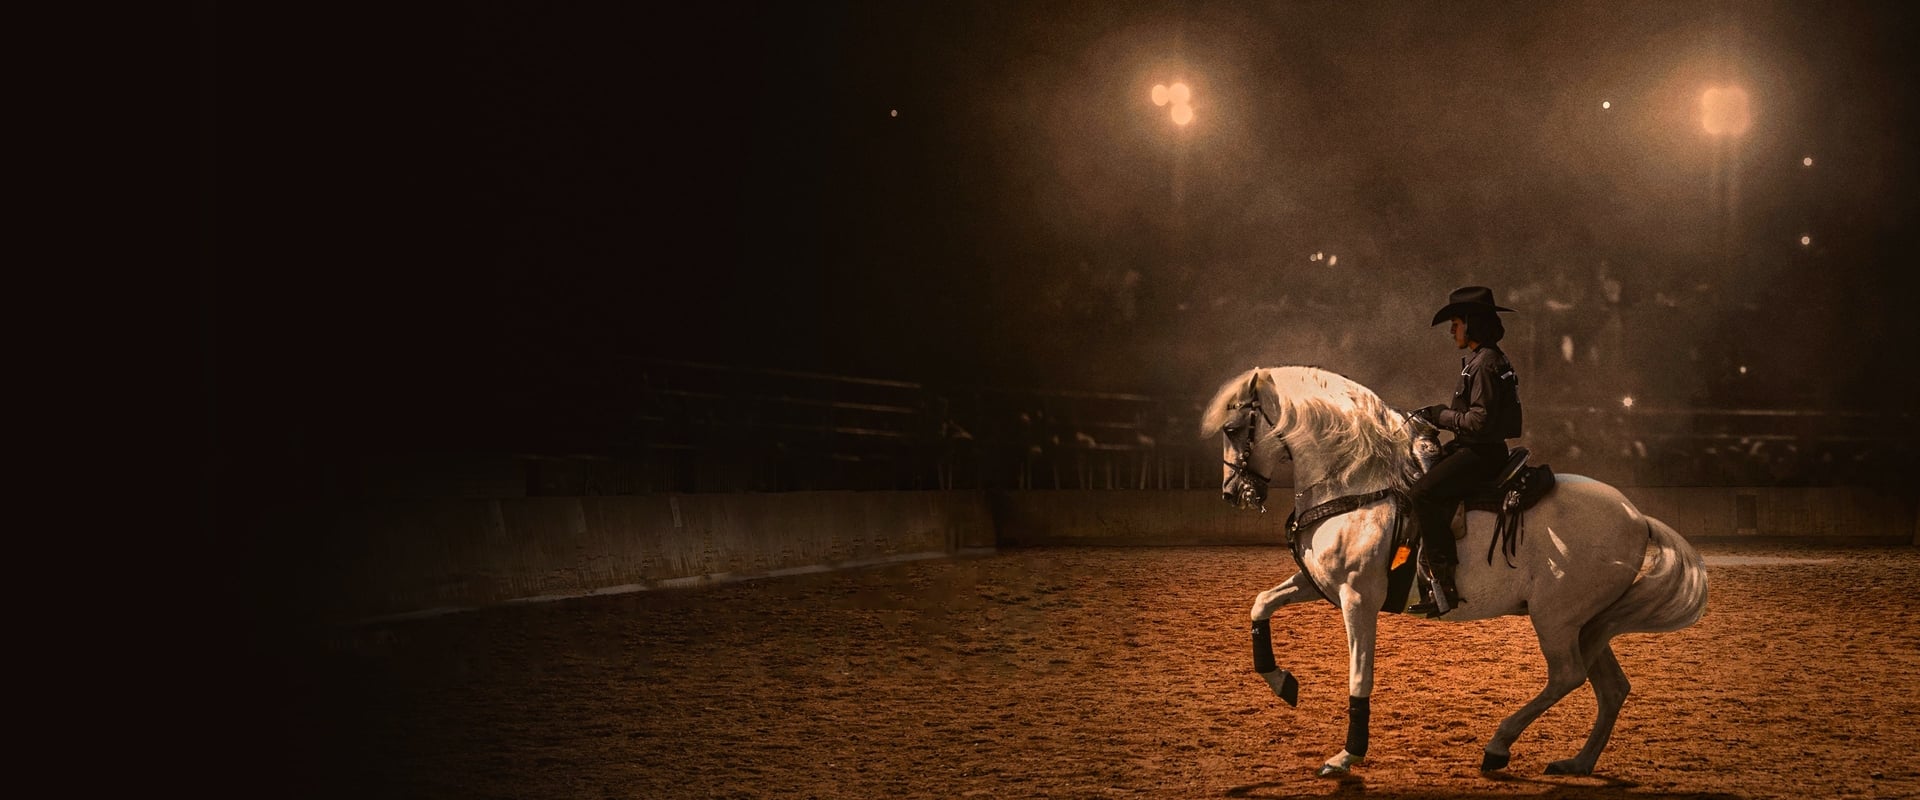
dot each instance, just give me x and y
(1243, 465)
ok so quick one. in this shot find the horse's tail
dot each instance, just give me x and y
(1670, 592)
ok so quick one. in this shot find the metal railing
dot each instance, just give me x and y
(692, 427)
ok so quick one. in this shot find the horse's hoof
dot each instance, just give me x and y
(1338, 765)
(1491, 762)
(1567, 767)
(1336, 770)
(1284, 686)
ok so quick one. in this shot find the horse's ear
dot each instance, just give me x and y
(1267, 392)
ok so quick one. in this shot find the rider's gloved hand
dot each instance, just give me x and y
(1431, 414)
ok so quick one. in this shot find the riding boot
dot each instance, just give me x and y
(1443, 577)
(1437, 557)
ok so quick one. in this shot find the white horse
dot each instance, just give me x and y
(1588, 567)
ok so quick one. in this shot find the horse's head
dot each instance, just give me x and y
(1249, 448)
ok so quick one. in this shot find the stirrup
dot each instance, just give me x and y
(1439, 597)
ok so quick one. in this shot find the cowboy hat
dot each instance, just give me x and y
(1467, 300)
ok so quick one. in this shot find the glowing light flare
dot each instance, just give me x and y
(1725, 111)
(1743, 369)
(1180, 96)
(1806, 162)
(1626, 402)
(1806, 240)
(1606, 104)
(894, 113)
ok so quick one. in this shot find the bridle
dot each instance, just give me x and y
(1242, 433)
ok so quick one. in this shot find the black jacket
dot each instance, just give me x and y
(1486, 401)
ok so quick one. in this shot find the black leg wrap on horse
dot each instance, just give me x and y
(1263, 646)
(1359, 710)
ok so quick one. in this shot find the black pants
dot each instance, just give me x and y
(1460, 470)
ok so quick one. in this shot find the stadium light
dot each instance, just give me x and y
(1725, 111)
(1178, 95)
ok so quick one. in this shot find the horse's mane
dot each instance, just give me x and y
(1362, 437)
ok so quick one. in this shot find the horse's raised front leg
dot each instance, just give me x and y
(1294, 590)
(1566, 670)
(1361, 617)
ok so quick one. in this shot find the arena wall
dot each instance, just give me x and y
(1201, 517)
(1096, 517)
(397, 559)
(1830, 513)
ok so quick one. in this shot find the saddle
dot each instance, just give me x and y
(1513, 490)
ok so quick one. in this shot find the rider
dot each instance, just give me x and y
(1484, 413)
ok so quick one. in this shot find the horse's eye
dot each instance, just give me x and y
(1233, 429)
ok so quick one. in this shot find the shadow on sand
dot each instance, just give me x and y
(1549, 788)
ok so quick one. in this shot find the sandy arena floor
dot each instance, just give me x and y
(1098, 673)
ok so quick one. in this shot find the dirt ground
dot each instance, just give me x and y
(1097, 673)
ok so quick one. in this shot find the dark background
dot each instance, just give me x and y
(466, 229)
(433, 219)
(458, 228)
